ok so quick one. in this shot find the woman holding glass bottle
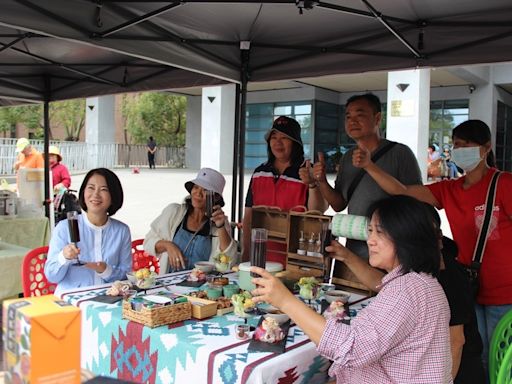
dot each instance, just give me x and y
(102, 251)
(195, 230)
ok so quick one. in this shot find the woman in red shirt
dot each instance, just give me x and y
(464, 200)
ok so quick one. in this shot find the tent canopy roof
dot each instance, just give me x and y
(60, 49)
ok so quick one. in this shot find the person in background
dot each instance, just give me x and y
(465, 341)
(60, 174)
(105, 243)
(450, 165)
(151, 148)
(28, 156)
(362, 124)
(278, 183)
(183, 234)
(464, 200)
(402, 336)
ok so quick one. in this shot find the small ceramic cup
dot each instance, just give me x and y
(230, 290)
(213, 293)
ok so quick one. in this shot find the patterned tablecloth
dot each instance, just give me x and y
(192, 351)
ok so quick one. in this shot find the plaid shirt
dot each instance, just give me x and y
(401, 337)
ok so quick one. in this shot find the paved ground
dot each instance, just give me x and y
(149, 191)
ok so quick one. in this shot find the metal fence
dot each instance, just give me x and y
(78, 156)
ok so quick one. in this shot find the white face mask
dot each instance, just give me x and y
(466, 158)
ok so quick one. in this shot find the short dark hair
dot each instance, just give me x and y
(114, 187)
(475, 131)
(372, 99)
(410, 225)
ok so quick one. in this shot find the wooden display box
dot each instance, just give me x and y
(273, 220)
(202, 308)
(304, 223)
(286, 227)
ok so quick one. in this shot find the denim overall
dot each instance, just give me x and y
(193, 246)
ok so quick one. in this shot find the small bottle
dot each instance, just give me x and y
(318, 247)
(311, 245)
(301, 250)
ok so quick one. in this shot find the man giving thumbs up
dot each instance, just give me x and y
(353, 188)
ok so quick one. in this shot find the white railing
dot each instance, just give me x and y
(79, 156)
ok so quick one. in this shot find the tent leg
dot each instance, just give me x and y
(46, 119)
(236, 145)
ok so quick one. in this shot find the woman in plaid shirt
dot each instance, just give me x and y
(402, 336)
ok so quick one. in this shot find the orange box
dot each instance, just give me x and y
(41, 341)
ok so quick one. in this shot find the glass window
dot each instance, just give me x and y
(259, 118)
(444, 116)
(283, 110)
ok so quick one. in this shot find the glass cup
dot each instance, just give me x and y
(209, 203)
(258, 248)
(74, 232)
(242, 331)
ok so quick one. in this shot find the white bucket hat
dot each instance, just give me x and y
(210, 180)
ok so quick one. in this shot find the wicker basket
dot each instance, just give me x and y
(155, 317)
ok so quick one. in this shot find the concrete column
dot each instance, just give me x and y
(408, 111)
(193, 135)
(217, 127)
(99, 129)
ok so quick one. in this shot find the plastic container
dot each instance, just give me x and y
(244, 277)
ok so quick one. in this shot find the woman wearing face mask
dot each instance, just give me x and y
(464, 200)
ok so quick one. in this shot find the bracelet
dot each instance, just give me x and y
(313, 185)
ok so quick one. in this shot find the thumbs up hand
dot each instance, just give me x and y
(306, 172)
(361, 157)
(319, 169)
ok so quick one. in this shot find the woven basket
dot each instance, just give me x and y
(155, 317)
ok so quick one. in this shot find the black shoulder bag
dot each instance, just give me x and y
(376, 156)
(474, 269)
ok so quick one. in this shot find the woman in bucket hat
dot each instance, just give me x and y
(183, 234)
(277, 183)
(60, 174)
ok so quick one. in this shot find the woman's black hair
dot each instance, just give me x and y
(114, 187)
(410, 225)
(475, 131)
(296, 157)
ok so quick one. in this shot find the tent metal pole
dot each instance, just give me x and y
(245, 53)
(236, 145)
(46, 119)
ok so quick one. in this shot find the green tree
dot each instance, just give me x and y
(156, 114)
(9, 117)
(28, 115)
(69, 114)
